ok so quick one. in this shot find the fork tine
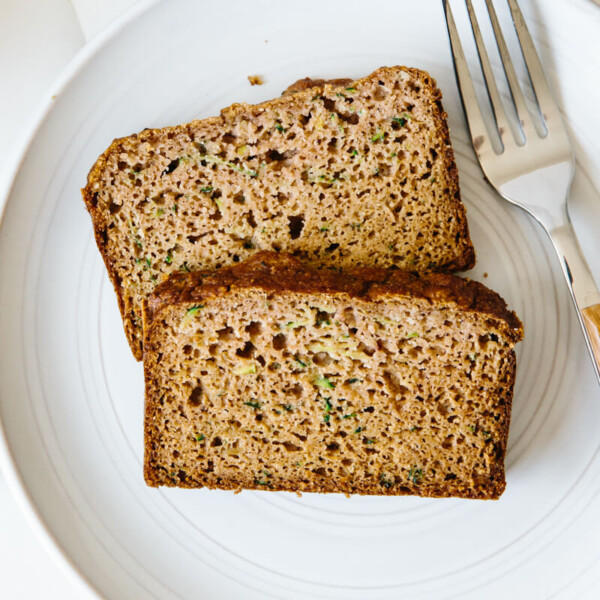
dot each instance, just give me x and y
(488, 75)
(479, 135)
(544, 96)
(509, 70)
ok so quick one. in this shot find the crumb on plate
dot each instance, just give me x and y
(255, 79)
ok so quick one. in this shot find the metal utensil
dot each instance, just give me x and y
(537, 174)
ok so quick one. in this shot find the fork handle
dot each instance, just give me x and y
(582, 286)
(591, 319)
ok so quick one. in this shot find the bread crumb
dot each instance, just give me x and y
(299, 494)
(485, 274)
(255, 79)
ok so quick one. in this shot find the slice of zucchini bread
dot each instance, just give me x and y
(341, 175)
(270, 375)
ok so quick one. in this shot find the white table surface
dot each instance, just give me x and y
(37, 40)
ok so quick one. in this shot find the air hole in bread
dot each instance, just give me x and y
(290, 447)
(254, 328)
(274, 155)
(295, 224)
(251, 220)
(247, 351)
(279, 341)
(329, 104)
(351, 118)
(322, 359)
(196, 396)
(225, 334)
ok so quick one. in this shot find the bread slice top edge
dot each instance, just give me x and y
(280, 273)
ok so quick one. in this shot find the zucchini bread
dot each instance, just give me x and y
(343, 175)
(271, 375)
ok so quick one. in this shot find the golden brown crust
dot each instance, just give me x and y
(308, 82)
(280, 273)
(129, 306)
(466, 260)
(100, 235)
(492, 491)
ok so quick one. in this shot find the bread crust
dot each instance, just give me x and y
(281, 273)
(464, 260)
(277, 273)
(308, 82)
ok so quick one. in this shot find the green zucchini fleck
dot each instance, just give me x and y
(379, 135)
(415, 475)
(385, 482)
(326, 414)
(324, 383)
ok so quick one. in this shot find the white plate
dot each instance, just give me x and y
(71, 394)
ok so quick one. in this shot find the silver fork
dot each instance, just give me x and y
(521, 173)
